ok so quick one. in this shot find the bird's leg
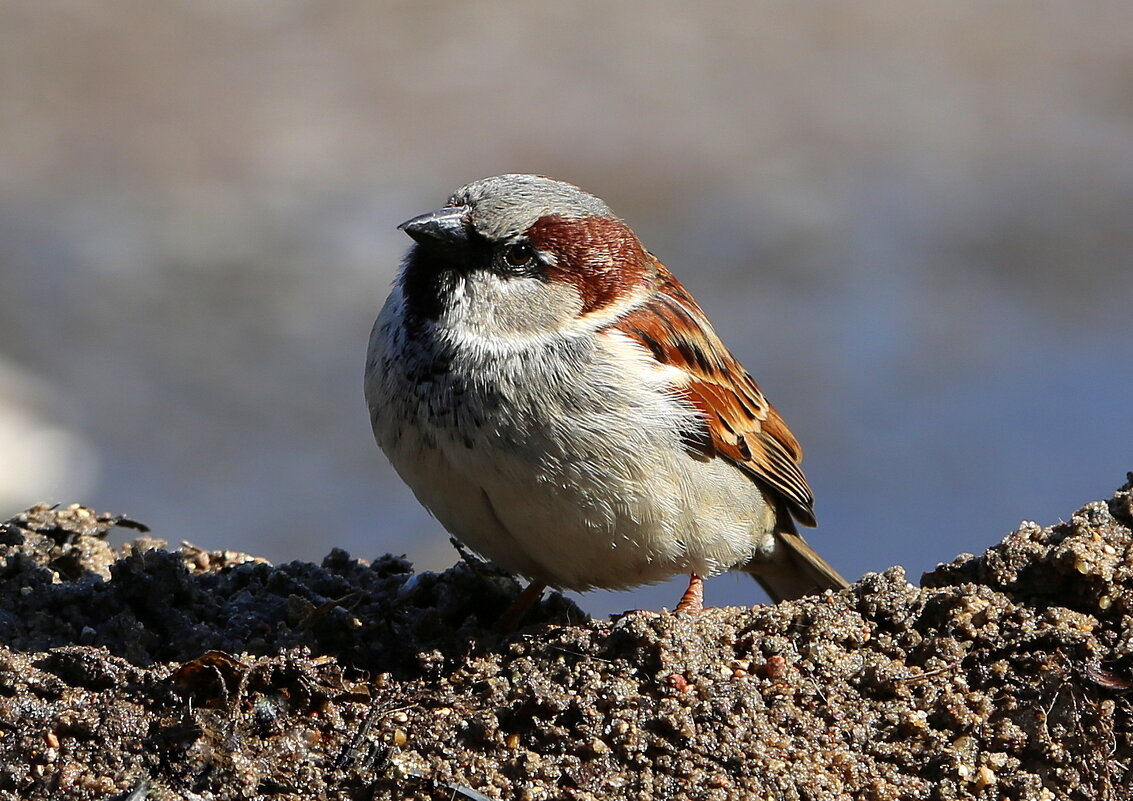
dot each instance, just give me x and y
(693, 599)
(514, 614)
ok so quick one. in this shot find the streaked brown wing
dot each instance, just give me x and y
(740, 425)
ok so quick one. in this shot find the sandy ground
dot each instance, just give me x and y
(156, 674)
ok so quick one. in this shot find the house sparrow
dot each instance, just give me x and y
(556, 398)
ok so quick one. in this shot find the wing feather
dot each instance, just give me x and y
(740, 425)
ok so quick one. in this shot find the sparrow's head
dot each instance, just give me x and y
(520, 255)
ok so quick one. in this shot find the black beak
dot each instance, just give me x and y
(447, 226)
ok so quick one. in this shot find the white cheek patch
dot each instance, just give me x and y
(498, 314)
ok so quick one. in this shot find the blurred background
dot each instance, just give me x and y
(912, 222)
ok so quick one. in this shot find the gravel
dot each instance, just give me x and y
(148, 673)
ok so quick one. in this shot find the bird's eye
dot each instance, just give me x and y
(519, 254)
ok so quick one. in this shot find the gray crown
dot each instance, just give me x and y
(505, 205)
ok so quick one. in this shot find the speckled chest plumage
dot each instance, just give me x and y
(559, 457)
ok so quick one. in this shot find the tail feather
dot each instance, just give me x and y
(795, 570)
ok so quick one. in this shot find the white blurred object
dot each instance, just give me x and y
(42, 460)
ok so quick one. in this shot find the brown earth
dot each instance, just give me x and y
(213, 675)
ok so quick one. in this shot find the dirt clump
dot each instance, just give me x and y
(185, 673)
